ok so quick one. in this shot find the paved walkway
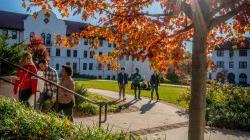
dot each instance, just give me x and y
(156, 120)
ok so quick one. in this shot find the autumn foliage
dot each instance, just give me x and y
(159, 37)
(37, 49)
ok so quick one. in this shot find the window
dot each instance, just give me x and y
(31, 35)
(68, 63)
(14, 35)
(48, 40)
(243, 52)
(90, 66)
(99, 77)
(220, 64)
(91, 54)
(231, 64)
(57, 66)
(231, 53)
(58, 52)
(127, 58)
(220, 52)
(74, 67)
(85, 54)
(43, 36)
(86, 42)
(100, 53)
(243, 65)
(101, 42)
(48, 49)
(99, 67)
(114, 45)
(133, 59)
(109, 45)
(108, 77)
(75, 53)
(109, 67)
(84, 66)
(243, 79)
(68, 53)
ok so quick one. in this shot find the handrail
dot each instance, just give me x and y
(100, 104)
(7, 81)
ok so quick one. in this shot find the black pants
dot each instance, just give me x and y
(154, 87)
(67, 109)
(43, 97)
(24, 96)
(137, 86)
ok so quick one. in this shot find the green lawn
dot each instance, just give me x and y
(167, 93)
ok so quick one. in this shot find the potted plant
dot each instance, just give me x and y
(13, 54)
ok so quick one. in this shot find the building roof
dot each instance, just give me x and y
(73, 26)
(15, 21)
(10, 20)
(232, 44)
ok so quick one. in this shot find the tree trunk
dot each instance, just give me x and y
(198, 85)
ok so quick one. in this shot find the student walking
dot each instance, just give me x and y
(136, 79)
(122, 82)
(25, 85)
(66, 100)
(50, 90)
(154, 82)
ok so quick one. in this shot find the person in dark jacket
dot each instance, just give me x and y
(136, 79)
(122, 82)
(154, 81)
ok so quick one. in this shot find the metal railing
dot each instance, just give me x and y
(100, 104)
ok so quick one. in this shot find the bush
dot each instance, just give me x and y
(20, 122)
(11, 53)
(86, 108)
(227, 106)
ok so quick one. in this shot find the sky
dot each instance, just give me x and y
(16, 6)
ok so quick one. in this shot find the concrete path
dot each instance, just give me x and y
(156, 120)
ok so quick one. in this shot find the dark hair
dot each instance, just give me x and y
(122, 68)
(137, 70)
(42, 61)
(67, 69)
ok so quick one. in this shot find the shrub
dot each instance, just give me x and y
(19, 122)
(227, 105)
(11, 53)
(86, 108)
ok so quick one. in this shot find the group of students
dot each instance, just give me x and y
(136, 79)
(25, 85)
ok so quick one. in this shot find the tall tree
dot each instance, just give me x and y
(160, 37)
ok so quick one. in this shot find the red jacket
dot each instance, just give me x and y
(25, 80)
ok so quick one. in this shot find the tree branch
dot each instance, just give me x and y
(220, 19)
(187, 28)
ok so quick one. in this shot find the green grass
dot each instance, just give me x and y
(169, 93)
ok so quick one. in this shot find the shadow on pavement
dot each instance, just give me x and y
(146, 107)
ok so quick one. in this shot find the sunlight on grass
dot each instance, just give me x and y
(167, 93)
